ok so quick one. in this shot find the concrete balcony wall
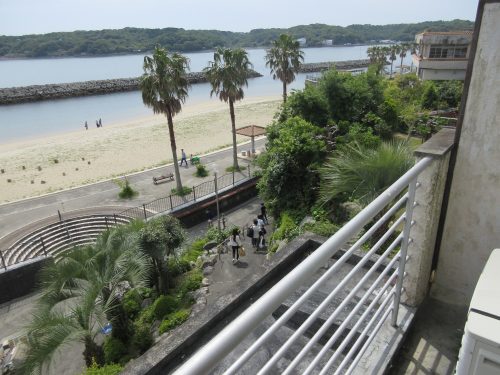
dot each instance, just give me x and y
(471, 228)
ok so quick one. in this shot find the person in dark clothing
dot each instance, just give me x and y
(263, 212)
(183, 157)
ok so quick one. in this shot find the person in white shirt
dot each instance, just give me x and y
(255, 236)
(235, 243)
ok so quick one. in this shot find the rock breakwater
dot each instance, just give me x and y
(14, 95)
(340, 65)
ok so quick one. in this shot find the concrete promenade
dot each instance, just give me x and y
(102, 197)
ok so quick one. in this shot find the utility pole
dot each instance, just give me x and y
(217, 201)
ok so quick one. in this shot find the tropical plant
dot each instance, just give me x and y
(392, 56)
(402, 50)
(284, 58)
(80, 295)
(227, 74)
(377, 55)
(295, 149)
(159, 239)
(164, 88)
(356, 173)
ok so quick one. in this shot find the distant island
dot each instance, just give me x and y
(137, 40)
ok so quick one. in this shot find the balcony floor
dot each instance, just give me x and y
(433, 342)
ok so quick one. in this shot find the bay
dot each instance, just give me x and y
(38, 119)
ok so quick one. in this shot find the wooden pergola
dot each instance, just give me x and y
(251, 131)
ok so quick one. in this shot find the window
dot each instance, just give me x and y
(448, 52)
(460, 53)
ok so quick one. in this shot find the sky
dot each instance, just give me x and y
(21, 17)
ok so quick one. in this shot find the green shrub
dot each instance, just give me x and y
(146, 292)
(132, 303)
(185, 191)
(190, 282)
(174, 319)
(142, 339)
(178, 266)
(147, 315)
(164, 305)
(201, 171)
(114, 350)
(195, 250)
(287, 228)
(126, 191)
(112, 369)
(323, 228)
(213, 234)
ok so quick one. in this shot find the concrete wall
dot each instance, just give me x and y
(440, 75)
(21, 279)
(471, 230)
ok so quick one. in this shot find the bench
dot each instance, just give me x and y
(163, 178)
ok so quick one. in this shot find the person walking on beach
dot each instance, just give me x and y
(235, 243)
(183, 157)
(86, 126)
(100, 123)
(97, 123)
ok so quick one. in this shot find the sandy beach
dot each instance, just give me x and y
(38, 166)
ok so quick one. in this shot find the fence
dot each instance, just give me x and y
(173, 201)
(359, 302)
(52, 239)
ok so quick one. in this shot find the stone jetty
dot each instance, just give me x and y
(340, 65)
(14, 95)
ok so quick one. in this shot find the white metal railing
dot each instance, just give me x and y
(378, 301)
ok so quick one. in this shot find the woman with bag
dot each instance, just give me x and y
(235, 243)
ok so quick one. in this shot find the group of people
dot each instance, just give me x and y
(257, 233)
(98, 124)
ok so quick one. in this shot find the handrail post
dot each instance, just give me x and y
(43, 246)
(171, 205)
(194, 193)
(114, 216)
(3, 260)
(249, 173)
(404, 249)
(144, 210)
(233, 177)
(106, 221)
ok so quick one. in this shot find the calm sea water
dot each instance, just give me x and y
(38, 119)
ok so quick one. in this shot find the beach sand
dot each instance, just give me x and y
(82, 157)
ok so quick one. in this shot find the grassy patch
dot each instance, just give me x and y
(232, 169)
(185, 191)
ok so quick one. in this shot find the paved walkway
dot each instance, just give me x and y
(16, 314)
(102, 197)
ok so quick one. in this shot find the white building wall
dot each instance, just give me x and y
(472, 225)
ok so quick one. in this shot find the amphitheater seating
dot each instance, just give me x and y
(53, 239)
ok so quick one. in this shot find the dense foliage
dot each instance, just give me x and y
(295, 148)
(136, 40)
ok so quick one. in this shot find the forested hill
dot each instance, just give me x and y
(134, 40)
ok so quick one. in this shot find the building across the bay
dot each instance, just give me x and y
(442, 55)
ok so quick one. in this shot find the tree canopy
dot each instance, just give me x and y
(137, 40)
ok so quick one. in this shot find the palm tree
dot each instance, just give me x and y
(360, 174)
(392, 56)
(79, 296)
(164, 87)
(284, 59)
(158, 240)
(227, 74)
(403, 48)
(377, 54)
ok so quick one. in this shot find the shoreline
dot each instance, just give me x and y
(78, 157)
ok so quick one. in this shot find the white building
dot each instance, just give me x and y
(302, 41)
(442, 55)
